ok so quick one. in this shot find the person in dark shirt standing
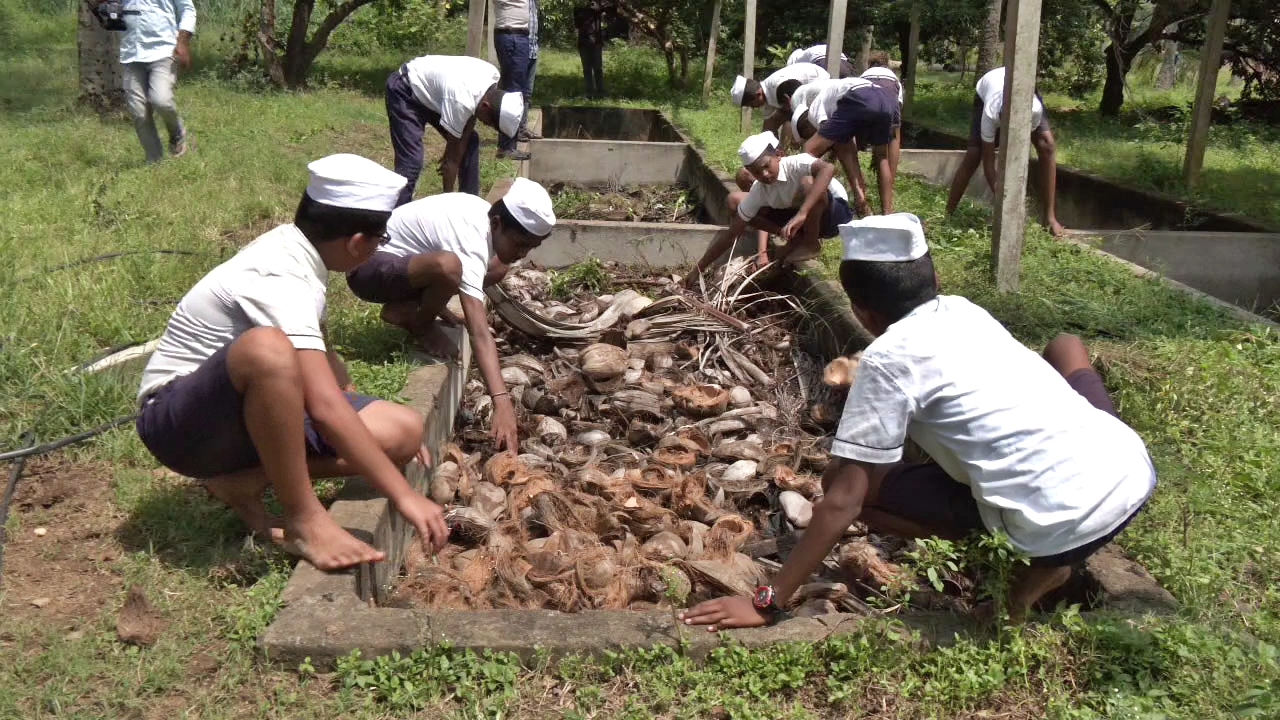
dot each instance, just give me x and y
(587, 18)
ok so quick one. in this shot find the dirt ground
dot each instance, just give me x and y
(632, 203)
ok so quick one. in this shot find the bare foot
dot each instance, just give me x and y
(447, 317)
(245, 497)
(324, 543)
(1055, 228)
(438, 343)
(803, 252)
(399, 314)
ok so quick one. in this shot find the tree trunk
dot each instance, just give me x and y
(864, 52)
(1118, 63)
(267, 42)
(1168, 74)
(101, 77)
(990, 43)
(962, 60)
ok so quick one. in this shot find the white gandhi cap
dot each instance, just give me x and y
(351, 181)
(529, 203)
(753, 147)
(511, 113)
(897, 237)
(738, 90)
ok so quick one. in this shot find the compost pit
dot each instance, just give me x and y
(665, 203)
(671, 449)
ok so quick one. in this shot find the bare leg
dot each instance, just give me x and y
(1031, 584)
(263, 366)
(397, 429)
(807, 243)
(847, 154)
(1046, 152)
(895, 150)
(439, 275)
(1067, 354)
(964, 173)
(880, 155)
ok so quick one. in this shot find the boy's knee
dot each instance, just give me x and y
(162, 100)
(403, 433)
(450, 269)
(1044, 143)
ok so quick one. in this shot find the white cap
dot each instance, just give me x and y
(1037, 112)
(795, 56)
(511, 113)
(351, 181)
(529, 203)
(739, 88)
(797, 113)
(753, 147)
(898, 237)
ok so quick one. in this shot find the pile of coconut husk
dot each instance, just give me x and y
(664, 203)
(656, 466)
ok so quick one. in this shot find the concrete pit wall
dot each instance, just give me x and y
(596, 123)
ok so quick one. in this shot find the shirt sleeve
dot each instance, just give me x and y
(873, 427)
(991, 118)
(186, 15)
(286, 302)
(475, 265)
(751, 204)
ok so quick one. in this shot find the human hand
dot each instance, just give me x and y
(723, 613)
(862, 207)
(503, 425)
(182, 54)
(423, 456)
(762, 259)
(427, 518)
(793, 225)
(691, 280)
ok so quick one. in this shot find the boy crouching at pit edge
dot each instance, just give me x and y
(1026, 444)
(795, 197)
(243, 392)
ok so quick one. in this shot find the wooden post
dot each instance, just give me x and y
(835, 36)
(492, 19)
(749, 57)
(475, 27)
(1210, 61)
(909, 62)
(1021, 42)
(711, 51)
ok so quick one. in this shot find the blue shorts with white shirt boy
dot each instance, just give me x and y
(779, 201)
(1016, 447)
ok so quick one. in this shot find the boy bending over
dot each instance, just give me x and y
(243, 393)
(846, 116)
(774, 92)
(1025, 444)
(456, 244)
(793, 197)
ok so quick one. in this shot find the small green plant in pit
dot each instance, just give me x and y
(996, 559)
(408, 682)
(586, 276)
(933, 557)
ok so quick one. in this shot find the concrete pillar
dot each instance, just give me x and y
(1210, 60)
(475, 27)
(749, 57)
(909, 62)
(493, 50)
(711, 51)
(1022, 40)
(835, 36)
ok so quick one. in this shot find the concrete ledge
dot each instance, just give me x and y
(653, 244)
(605, 162)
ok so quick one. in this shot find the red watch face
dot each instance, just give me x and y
(763, 597)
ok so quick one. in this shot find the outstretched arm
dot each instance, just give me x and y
(720, 244)
(822, 172)
(989, 163)
(452, 158)
(503, 424)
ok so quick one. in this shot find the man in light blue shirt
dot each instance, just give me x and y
(155, 43)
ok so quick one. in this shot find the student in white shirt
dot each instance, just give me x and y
(817, 55)
(984, 136)
(793, 197)
(456, 244)
(775, 92)
(449, 93)
(883, 77)
(243, 392)
(1026, 444)
(812, 105)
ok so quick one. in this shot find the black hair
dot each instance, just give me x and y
(879, 58)
(322, 223)
(503, 213)
(787, 89)
(750, 89)
(891, 289)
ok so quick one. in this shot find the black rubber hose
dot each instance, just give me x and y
(63, 442)
(14, 474)
(110, 256)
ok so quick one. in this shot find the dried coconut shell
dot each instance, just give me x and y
(551, 431)
(863, 562)
(489, 499)
(728, 533)
(652, 479)
(602, 361)
(676, 456)
(695, 436)
(739, 397)
(592, 438)
(665, 545)
(732, 450)
(701, 400)
(740, 471)
(637, 329)
(444, 482)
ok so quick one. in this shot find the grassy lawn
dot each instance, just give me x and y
(1204, 392)
(1241, 164)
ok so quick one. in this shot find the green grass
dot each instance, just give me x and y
(1241, 164)
(1200, 388)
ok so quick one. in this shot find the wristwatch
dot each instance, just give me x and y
(763, 601)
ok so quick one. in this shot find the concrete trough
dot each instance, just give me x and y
(325, 616)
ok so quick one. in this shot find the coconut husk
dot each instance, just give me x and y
(739, 397)
(816, 607)
(694, 535)
(532, 367)
(832, 591)
(731, 450)
(595, 568)
(696, 439)
(652, 479)
(478, 574)
(565, 392)
(660, 362)
(786, 479)
(676, 456)
(728, 533)
(736, 574)
(602, 361)
(701, 400)
(489, 499)
(665, 545)
(638, 403)
(643, 434)
(523, 495)
(468, 526)
(619, 454)
(643, 517)
(597, 482)
(551, 431)
(686, 350)
(444, 482)
(863, 562)
(438, 587)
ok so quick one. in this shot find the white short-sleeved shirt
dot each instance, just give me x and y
(991, 90)
(804, 72)
(828, 95)
(152, 33)
(453, 222)
(787, 191)
(511, 14)
(885, 73)
(278, 280)
(452, 85)
(815, 54)
(1044, 465)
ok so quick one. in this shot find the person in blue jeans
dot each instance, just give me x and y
(515, 32)
(587, 19)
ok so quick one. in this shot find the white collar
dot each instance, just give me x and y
(309, 252)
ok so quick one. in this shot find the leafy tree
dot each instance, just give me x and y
(1131, 26)
(1251, 47)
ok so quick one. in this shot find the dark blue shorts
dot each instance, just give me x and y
(837, 213)
(865, 113)
(194, 425)
(890, 86)
(383, 278)
(975, 122)
(925, 494)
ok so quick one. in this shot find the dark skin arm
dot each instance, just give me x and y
(182, 51)
(989, 163)
(503, 424)
(720, 244)
(452, 158)
(846, 484)
(822, 171)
